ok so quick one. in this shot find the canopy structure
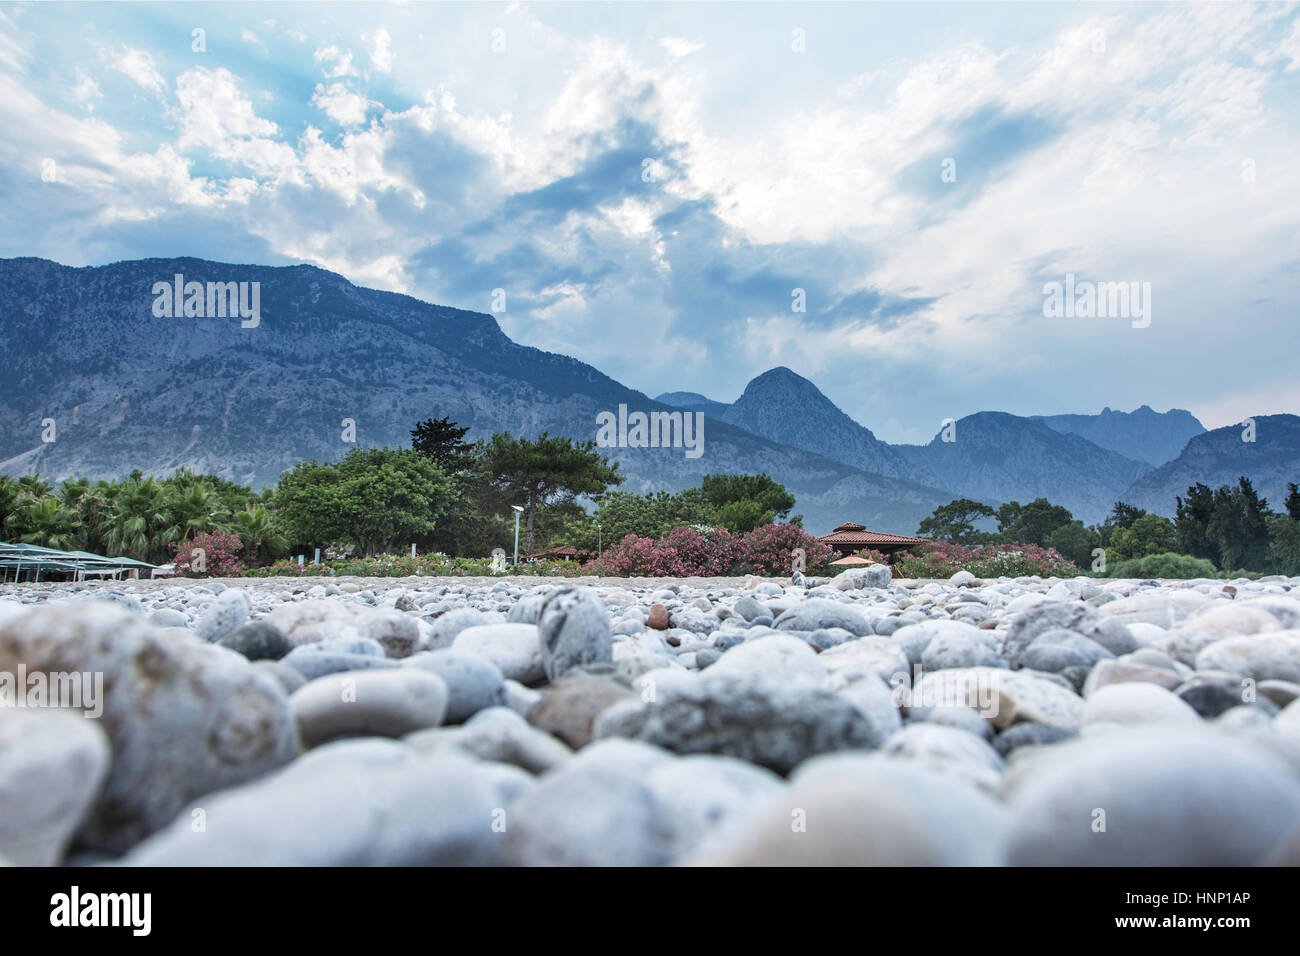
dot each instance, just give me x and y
(852, 561)
(850, 537)
(17, 558)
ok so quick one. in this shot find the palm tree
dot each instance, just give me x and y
(192, 507)
(258, 532)
(9, 495)
(32, 486)
(45, 522)
(136, 519)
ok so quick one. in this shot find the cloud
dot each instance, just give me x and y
(342, 106)
(336, 62)
(248, 36)
(87, 91)
(381, 51)
(139, 67)
(678, 47)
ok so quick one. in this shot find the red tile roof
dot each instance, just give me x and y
(858, 536)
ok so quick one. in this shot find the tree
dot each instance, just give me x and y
(1292, 502)
(136, 519)
(1147, 535)
(1121, 516)
(955, 521)
(373, 497)
(258, 532)
(45, 522)
(744, 502)
(1191, 522)
(1075, 542)
(1238, 527)
(1283, 545)
(444, 441)
(546, 471)
(1033, 523)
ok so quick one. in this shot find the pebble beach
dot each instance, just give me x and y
(855, 720)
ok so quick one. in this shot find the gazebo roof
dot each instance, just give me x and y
(856, 535)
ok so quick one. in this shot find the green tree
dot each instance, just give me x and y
(1292, 502)
(1033, 523)
(1121, 516)
(744, 502)
(374, 498)
(136, 519)
(1283, 545)
(10, 495)
(955, 521)
(544, 472)
(444, 441)
(1149, 534)
(259, 533)
(45, 522)
(1076, 542)
(1192, 521)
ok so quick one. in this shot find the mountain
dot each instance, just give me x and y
(995, 457)
(787, 408)
(1219, 457)
(129, 389)
(693, 402)
(1142, 434)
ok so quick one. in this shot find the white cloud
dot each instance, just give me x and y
(248, 36)
(344, 107)
(678, 47)
(381, 51)
(336, 62)
(139, 67)
(87, 91)
(217, 118)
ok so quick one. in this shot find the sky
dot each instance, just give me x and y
(684, 195)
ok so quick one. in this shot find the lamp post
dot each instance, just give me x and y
(518, 512)
(599, 541)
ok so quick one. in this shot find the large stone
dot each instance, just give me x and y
(473, 682)
(852, 660)
(383, 703)
(574, 630)
(1269, 656)
(817, 613)
(780, 654)
(223, 616)
(1151, 796)
(569, 708)
(1108, 631)
(759, 718)
(183, 718)
(446, 627)
(1167, 609)
(313, 663)
(499, 735)
(352, 803)
(1003, 697)
(1136, 702)
(854, 810)
(960, 645)
(1055, 650)
(322, 619)
(258, 641)
(52, 763)
(949, 751)
(1107, 672)
(594, 810)
(515, 649)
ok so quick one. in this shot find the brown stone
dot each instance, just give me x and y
(568, 708)
(658, 618)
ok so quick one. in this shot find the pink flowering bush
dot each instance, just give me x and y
(713, 552)
(769, 551)
(212, 554)
(943, 559)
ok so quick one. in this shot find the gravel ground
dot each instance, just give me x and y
(731, 721)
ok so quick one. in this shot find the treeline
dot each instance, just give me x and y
(1230, 529)
(442, 494)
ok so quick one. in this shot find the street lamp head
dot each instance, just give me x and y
(518, 508)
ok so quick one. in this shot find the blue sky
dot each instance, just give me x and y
(650, 182)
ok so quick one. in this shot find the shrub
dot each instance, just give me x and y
(1167, 565)
(693, 551)
(219, 552)
(769, 550)
(943, 559)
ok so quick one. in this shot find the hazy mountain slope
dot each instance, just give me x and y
(130, 390)
(693, 402)
(997, 457)
(1143, 434)
(785, 407)
(1219, 457)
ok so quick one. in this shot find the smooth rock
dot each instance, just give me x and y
(383, 703)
